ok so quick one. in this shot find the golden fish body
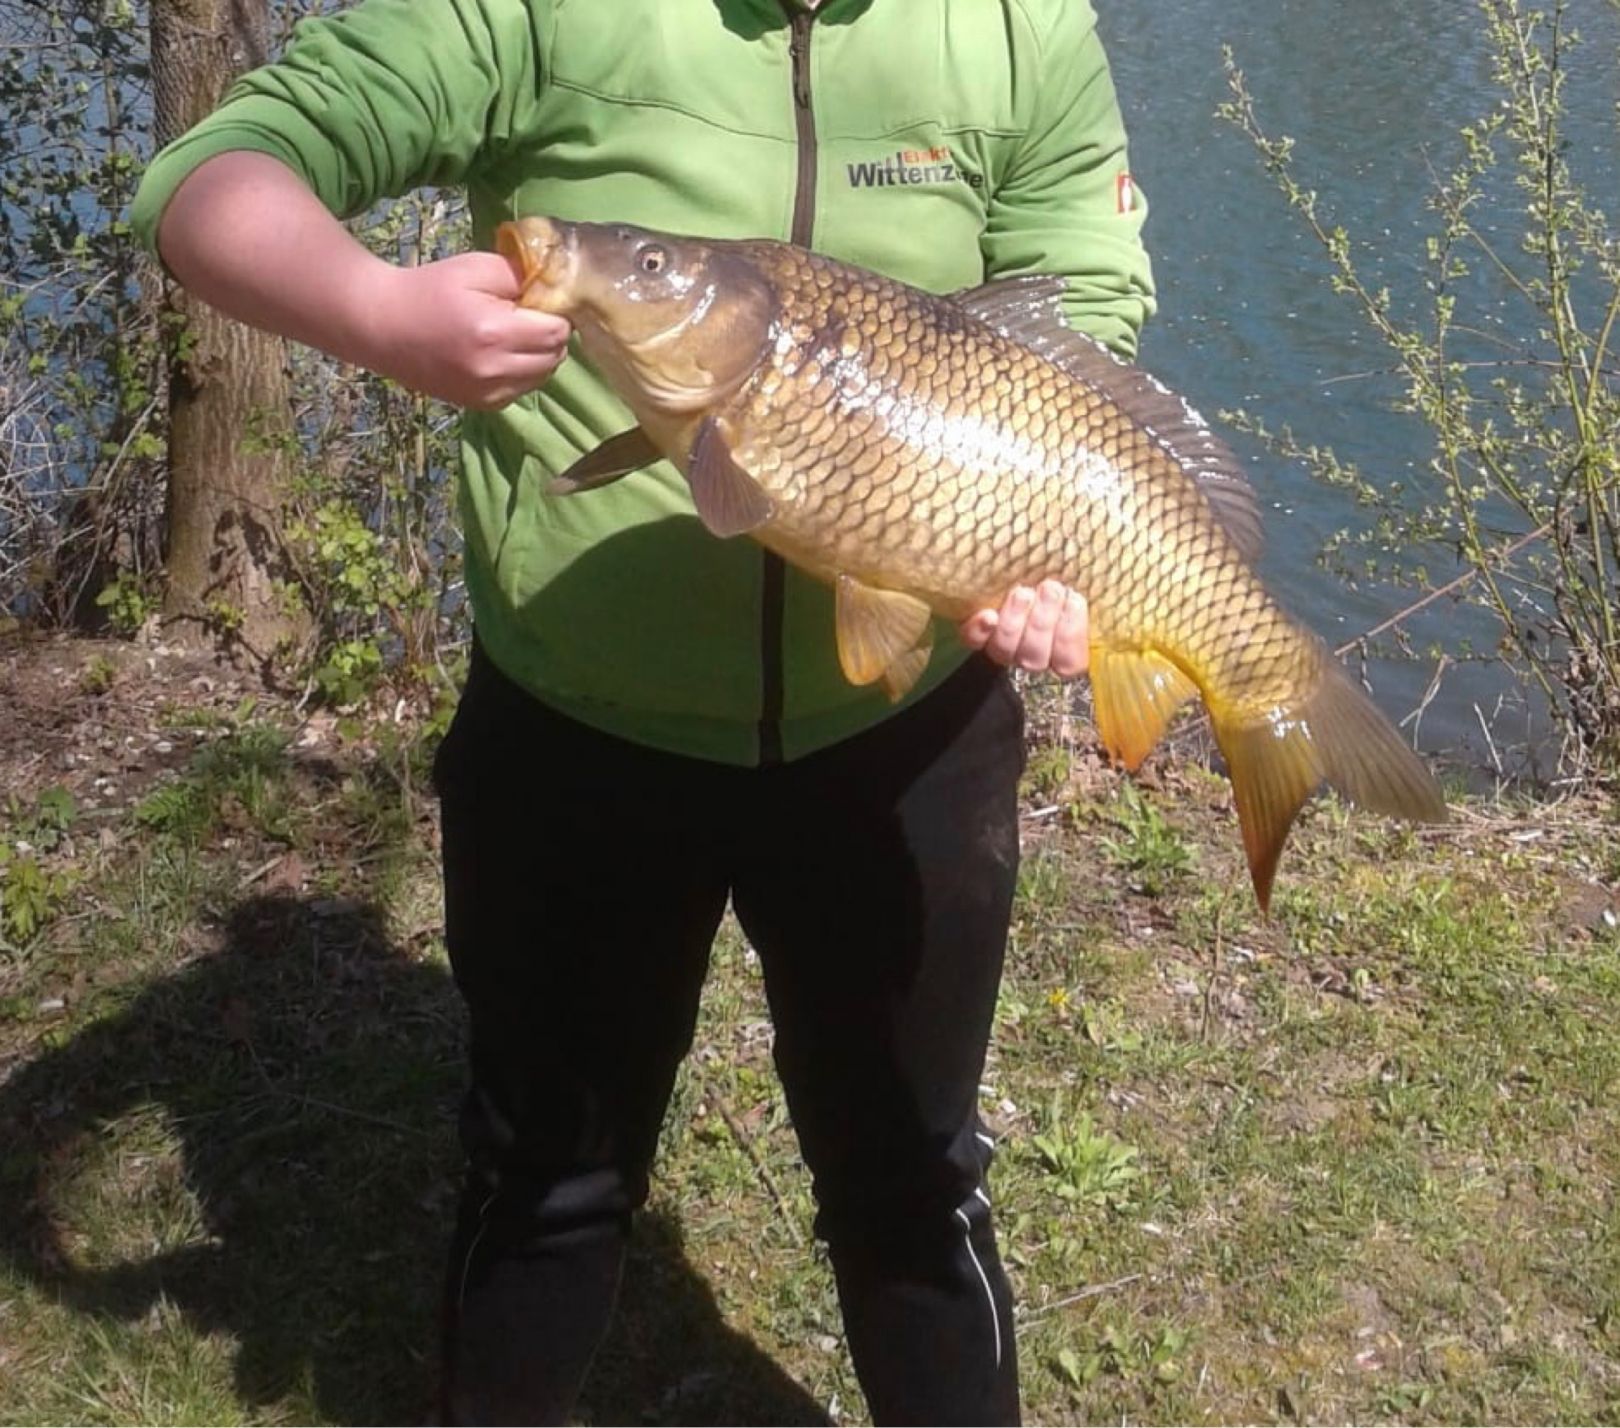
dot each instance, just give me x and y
(908, 445)
(926, 454)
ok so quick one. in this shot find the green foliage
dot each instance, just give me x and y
(30, 895)
(180, 809)
(1522, 490)
(1328, 1183)
(1147, 847)
(224, 617)
(372, 526)
(98, 676)
(1124, 1351)
(245, 770)
(346, 560)
(351, 578)
(1084, 1163)
(31, 889)
(1110, 1026)
(350, 671)
(1041, 884)
(47, 822)
(128, 603)
(1047, 771)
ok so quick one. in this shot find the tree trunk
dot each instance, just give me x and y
(229, 406)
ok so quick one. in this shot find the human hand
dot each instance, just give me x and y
(452, 329)
(1044, 628)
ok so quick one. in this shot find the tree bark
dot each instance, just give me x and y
(229, 403)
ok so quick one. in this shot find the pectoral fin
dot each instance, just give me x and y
(1135, 694)
(882, 634)
(727, 498)
(617, 456)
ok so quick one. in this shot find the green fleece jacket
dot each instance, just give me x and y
(939, 141)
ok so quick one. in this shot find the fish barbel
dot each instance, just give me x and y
(925, 454)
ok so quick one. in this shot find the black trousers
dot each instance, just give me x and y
(584, 879)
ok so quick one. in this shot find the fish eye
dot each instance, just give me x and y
(652, 259)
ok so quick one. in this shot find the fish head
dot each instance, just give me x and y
(674, 324)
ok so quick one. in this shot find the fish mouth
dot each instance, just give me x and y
(544, 255)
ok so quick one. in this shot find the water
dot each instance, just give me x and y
(1373, 92)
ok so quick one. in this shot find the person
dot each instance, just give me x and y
(654, 721)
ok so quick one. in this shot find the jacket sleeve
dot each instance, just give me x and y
(1066, 202)
(390, 95)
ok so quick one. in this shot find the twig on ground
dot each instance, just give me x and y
(250, 878)
(1091, 1291)
(315, 1103)
(746, 1142)
(1215, 972)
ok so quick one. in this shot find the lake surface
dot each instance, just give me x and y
(1373, 91)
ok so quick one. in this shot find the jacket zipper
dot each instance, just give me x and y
(773, 588)
(804, 122)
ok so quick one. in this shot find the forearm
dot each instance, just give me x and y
(245, 234)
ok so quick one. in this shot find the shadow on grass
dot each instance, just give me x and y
(305, 1078)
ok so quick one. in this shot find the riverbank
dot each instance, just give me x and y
(1354, 1162)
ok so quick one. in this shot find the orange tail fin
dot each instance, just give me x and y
(1335, 735)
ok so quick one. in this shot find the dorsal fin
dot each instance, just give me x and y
(1028, 311)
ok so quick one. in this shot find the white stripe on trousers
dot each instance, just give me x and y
(984, 1279)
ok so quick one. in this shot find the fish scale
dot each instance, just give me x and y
(926, 454)
(1034, 532)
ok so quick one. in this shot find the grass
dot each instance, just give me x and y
(1357, 1162)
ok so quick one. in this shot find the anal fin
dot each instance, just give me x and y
(882, 634)
(907, 670)
(1136, 694)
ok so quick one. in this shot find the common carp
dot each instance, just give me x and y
(925, 454)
